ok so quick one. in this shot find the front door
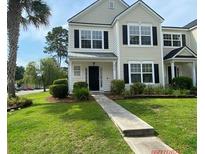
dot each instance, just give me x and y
(94, 78)
(170, 73)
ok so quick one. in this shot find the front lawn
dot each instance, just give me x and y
(173, 119)
(63, 128)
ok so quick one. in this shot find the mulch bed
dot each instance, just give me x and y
(120, 97)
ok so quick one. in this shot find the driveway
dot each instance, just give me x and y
(25, 92)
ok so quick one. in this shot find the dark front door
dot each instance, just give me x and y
(170, 73)
(94, 78)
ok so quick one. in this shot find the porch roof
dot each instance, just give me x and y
(92, 55)
(176, 53)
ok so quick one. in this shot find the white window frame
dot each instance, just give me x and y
(173, 40)
(83, 39)
(142, 62)
(91, 30)
(102, 39)
(74, 71)
(140, 40)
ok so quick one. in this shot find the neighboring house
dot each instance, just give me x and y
(112, 40)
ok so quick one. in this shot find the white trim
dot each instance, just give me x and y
(162, 54)
(70, 80)
(141, 73)
(183, 50)
(173, 28)
(140, 25)
(118, 50)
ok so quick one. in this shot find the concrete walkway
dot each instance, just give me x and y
(138, 134)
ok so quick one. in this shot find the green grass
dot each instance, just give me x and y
(173, 119)
(63, 128)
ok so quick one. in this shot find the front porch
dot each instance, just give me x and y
(180, 62)
(96, 70)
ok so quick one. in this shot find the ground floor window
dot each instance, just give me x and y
(76, 70)
(141, 72)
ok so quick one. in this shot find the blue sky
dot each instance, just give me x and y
(32, 41)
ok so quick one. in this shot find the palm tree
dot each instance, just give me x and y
(21, 12)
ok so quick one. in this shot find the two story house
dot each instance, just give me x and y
(112, 40)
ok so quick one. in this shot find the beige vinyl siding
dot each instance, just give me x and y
(193, 39)
(176, 31)
(140, 15)
(101, 13)
(107, 74)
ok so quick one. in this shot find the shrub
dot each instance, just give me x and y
(182, 83)
(61, 81)
(81, 94)
(193, 91)
(79, 85)
(19, 102)
(148, 90)
(137, 88)
(127, 93)
(117, 87)
(58, 90)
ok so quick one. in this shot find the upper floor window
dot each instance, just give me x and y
(172, 40)
(91, 39)
(97, 39)
(85, 39)
(111, 4)
(139, 35)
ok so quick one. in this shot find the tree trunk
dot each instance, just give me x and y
(13, 28)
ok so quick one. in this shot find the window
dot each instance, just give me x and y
(134, 34)
(146, 35)
(135, 71)
(85, 39)
(172, 40)
(76, 70)
(111, 4)
(91, 39)
(141, 72)
(167, 39)
(147, 73)
(139, 35)
(97, 39)
(176, 40)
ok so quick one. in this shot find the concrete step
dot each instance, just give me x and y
(148, 145)
(129, 124)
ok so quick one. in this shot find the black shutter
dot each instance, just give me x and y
(106, 44)
(126, 73)
(124, 34)
(156, 73)
(76, 38)
(183, 40)
(154, 35)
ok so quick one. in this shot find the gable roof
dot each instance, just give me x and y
(90, 6)
(135, 4)
(191, 24)
(175, 52)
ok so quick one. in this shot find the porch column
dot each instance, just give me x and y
(172, 70)
(114, 69)
(194, 73)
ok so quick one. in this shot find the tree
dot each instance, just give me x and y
(23, 12)
(50, 71)
(19, 72)
(57, 43)
(30, 75)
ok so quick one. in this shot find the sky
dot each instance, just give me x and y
(32, 40)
